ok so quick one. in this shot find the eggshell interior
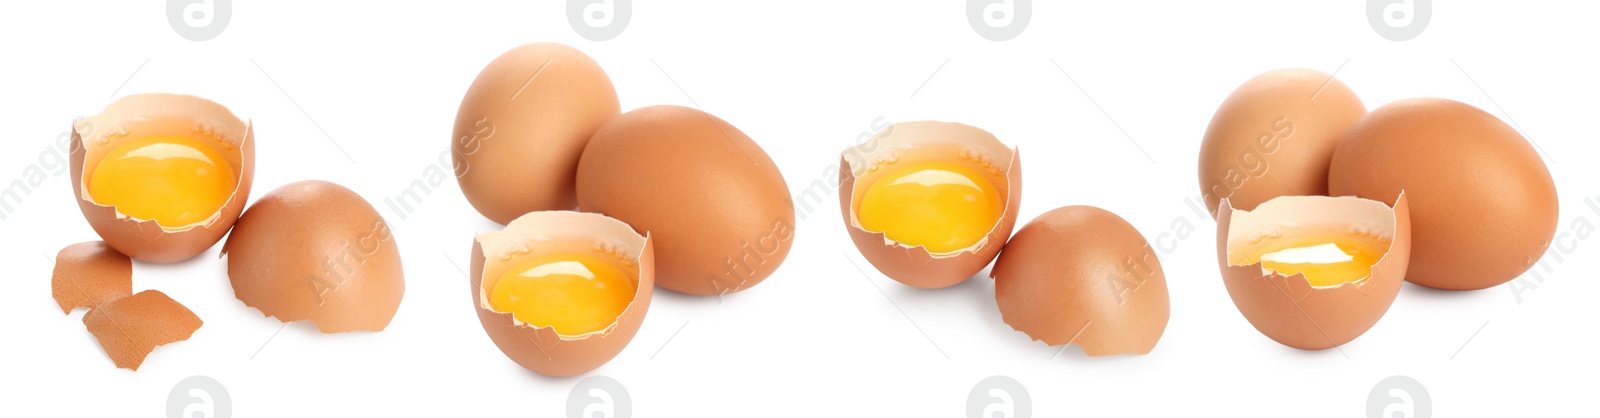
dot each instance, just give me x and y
(1289, 309)
(929, 141)
(542, 349)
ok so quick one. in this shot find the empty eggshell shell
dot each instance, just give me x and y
(929, 141)
(707, 194)
(142, 115)
(541, 349)
(1083, 275)
(1289, 309)
(314, 250)
(1274, 136)
(1485, 205)
(131, 327)
(522, 127)
(89, 274)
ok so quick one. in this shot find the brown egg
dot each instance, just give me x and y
(1274, 137)
(943, 149)
(314, 250)
(131, 120)
(522, 126)
(1486, 207)
(542, 349)
(1290, 309)
(1083, 275)
(708, 194)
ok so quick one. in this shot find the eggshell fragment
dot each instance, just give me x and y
(523, 125)
(131, 327)
(1274, 136)
(1289, 309)
(89, 274)
(1083, 275)
(541, 349)
(142, 115)
(928, 141)
(314, 250)
(709, 195)
(1485, 205)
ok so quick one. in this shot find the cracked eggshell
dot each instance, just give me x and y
(141, 115)
(1484, 204)
(89, 274)
(314, 250)
(929, 141)
(543, 350)
(1083, 275)
(703, 190)
(523, 125)
(1288, 309)
(1274, 136)
(130, 328)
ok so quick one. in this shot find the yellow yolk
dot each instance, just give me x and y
(575, 294)
(943, 207)
(173, 180)
(1323, 261)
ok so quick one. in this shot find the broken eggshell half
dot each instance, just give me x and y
(1289, 309)
(1083, 275)
(316, 251)
(142, 115)
(924, 141)
(541, 349)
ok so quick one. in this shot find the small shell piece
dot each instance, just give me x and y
(89, 274)
(975, 148)
(1289, 309)
(142, 115)
(131, 327)
(1083, 275)
(541, 349)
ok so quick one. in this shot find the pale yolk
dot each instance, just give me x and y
(943, 207)
(1323, 261)
(173, 180)
(575, 294)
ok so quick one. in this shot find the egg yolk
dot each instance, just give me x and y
(174, 180)
(575, 294)
(942, 207)
(1323, 261)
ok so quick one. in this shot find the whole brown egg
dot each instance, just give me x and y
(522, 126)
(700, 187)
(1274, 136)
(1483, 205)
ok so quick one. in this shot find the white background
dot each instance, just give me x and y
(383, 81)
